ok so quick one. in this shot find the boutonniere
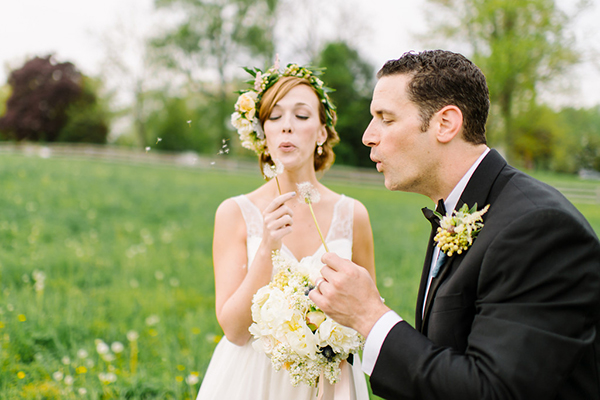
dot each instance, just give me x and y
(459, 228)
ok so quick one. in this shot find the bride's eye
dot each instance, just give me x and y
(302, 117)
(274, 117)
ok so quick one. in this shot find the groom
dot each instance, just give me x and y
(515, 315)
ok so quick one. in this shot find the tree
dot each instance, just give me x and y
(46, 97)
(213, 37)
(519, 45)
(352, 79)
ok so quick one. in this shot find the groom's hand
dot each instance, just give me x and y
(348, 294)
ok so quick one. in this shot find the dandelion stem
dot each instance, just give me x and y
(278, 187)
(317, 224)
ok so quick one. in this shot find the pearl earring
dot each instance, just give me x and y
(320, 149)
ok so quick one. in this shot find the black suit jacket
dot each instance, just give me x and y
(517, 315)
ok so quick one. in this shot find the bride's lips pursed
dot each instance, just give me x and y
(287, 146)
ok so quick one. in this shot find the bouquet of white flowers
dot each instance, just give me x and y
(293, 332)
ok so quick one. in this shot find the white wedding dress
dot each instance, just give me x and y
(243, 373)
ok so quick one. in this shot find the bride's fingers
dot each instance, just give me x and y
(279, 201)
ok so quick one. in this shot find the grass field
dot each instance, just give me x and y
(106, 286)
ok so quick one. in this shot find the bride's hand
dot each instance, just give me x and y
(278, 221)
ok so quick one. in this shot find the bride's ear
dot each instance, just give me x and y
(449, 123)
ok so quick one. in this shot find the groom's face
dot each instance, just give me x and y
(402, 151)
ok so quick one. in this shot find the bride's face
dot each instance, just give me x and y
(294, 128)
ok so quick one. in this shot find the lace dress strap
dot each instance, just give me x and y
(252, 216)
(343, 220)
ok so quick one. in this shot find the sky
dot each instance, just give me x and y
(76, 31)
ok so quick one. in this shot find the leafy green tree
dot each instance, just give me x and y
(50, 102)
(215, 37)
(352, 78)
(519, 44)
(579, 146)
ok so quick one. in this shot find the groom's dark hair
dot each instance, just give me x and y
(441, 78)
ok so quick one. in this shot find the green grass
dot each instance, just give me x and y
(127, 248)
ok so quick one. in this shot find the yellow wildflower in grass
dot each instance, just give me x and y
(196, 331)
(20, 374)
(179, 378)
(21, 317)
(1, 325)
(180, 367)
(81, 370)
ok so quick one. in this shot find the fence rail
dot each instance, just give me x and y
(578, 193)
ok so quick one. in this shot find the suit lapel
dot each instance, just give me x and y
(478, 191)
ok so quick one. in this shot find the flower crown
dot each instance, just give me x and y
(245, 118)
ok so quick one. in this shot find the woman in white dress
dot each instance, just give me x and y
(286, 117)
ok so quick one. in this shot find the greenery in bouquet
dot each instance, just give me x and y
(293, 331)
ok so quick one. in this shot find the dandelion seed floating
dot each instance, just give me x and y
(147, 149)
(271, 171)
(158, 140)
(311, 196)
(189, 121)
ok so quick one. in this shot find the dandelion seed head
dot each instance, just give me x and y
(69, 380)
(82, 353)
(117, 347)
(132, 336)
(308, 193)
(152, 320)
(192, 379)
(66, 360)
(58, 376)
(271, 171)
(101, 347)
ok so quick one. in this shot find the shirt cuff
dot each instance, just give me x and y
(375, 340)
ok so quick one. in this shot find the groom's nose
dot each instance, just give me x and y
(370, 137)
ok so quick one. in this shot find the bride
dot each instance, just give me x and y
(288, 120)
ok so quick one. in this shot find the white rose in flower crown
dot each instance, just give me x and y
(246, 104)
(340, 338)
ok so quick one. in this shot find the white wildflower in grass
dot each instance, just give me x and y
(310, 195)
(108, 357)
(69, 380)
(293, 331)
(82, 391)
(132, 336)
(58, 376)
(174, 282)
(159, 275)
(189, 121)
(117, 347)
(152, 320)
(101, 347)
(81, 353)
(271, 171)
(66, 360)
(107, 377)
(158, 140)
(192, 379)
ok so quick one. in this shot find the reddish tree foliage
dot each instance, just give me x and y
(42, 91)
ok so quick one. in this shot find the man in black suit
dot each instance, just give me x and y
(516, 314)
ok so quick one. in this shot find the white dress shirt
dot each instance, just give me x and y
(385, 324)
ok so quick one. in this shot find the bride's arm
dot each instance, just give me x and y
(362, 241)
(235, 283)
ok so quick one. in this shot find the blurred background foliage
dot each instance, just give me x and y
(192, 70)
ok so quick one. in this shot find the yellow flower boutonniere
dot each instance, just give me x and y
(458, 229)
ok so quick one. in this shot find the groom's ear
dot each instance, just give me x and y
(449, 123)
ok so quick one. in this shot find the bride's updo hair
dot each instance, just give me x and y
(272, 96)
